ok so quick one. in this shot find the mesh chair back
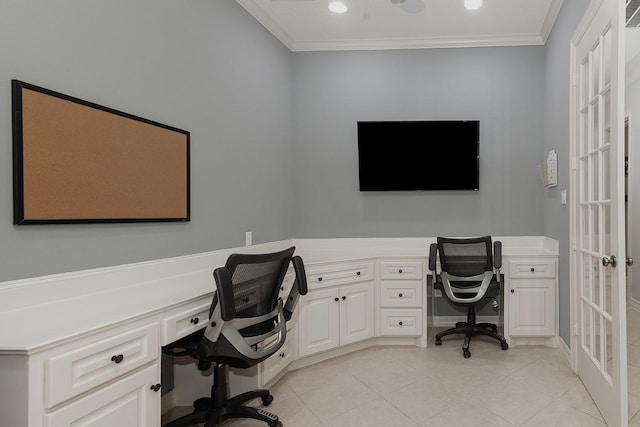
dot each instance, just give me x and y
(256, 285)
(465, 257)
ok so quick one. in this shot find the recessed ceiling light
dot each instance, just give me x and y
(337, 7)
(473, 4)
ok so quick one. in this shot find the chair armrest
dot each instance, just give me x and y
(224, 287)
(497, 254)
(299, 287)
(433, 256)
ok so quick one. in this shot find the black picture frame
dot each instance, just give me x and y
(75, 161)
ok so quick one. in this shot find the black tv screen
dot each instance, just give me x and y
(419, 155)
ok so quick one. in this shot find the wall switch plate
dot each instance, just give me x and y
(563, 197)
(248, 238)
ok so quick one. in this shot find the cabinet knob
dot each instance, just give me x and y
(117, 359)
(400, 323)
(400, 271)
(282, 288)
(399, 295)
(533, 269)
(344, 298)
(337, 299)
(195, 320)
(358, 273)
(319, 279)
(513, 291)
(156, 387)
(282, 355)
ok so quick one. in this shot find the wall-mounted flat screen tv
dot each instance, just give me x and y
(419, 155)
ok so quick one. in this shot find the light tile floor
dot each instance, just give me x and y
(406, 386)
(437, 387)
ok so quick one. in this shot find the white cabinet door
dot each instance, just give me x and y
(356, 313)
(319, 321)
(129, 402)
(532, 307)
(277, 362)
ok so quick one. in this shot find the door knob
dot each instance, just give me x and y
(629, 261)
(609, 261)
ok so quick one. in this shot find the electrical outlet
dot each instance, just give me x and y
(248, 238)
(437, 293)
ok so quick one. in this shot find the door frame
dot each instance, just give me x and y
(574, 225)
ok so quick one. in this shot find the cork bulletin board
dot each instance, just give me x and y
(79, 162)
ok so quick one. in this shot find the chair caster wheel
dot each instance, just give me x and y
(466, 354)
(266, 400)
(438, 342)
(504, 345)
(201, 404)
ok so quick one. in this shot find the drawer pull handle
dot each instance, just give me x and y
(195, 320)
(117, 359)
(399, 295)
(358, 273)
(513, 291)
(533, 269)
(400, 323)
(319, 279)
(400, 271)
(282, 288)
(282, 355)
(344, 298)
(156, 387)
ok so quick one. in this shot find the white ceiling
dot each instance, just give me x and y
(304, 25)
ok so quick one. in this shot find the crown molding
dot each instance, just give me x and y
(550, 19)
(402, 43)
(418, 43)
(272, 26)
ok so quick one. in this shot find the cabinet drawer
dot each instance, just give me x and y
(532, 268)
(129, 402)
(401, 269)
(185, 322)
(401, 293)
(277, 362)
(94, 362)
(333, 274)
(401, 322)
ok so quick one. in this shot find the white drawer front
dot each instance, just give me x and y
(322, 276)
(106, 357)
(129, 402)
(401, 270)
(401, 293)
(186, 322)
(401, 322)
(532, 268)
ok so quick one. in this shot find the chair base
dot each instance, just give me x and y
(470, 329)
(218, 408)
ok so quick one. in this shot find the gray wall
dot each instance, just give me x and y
(556, 136)
(501, 87)
(204, 66)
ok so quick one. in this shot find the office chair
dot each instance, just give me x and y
(245, 313)
(468, 271)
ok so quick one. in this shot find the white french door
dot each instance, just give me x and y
(598, 227)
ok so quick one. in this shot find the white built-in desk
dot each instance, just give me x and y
(86, 345)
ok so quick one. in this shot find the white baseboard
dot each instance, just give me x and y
(566, 352)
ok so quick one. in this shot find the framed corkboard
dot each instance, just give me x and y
(78, 162)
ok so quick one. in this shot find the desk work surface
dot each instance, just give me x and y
(54, 308)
